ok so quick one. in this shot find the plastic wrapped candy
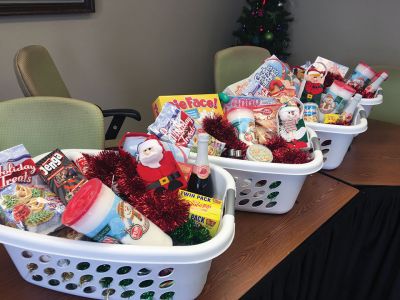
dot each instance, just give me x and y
(31, 207)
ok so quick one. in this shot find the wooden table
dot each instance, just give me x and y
(262, 241)
(373, 158)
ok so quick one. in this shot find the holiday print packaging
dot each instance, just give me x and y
(333, 67)
(335, 99)
(253, 116)
(61, 174)
(16, 165)
(361, 76)
(30, 207)
(196, 106)
(272, 79)
(203, 210)
(175, 126)
(101, 215)
(291, 124)
(25, 204)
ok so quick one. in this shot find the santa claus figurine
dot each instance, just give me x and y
(158, 167)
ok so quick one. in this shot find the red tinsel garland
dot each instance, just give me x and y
(118, 171)
(283, 154)
(223, 130)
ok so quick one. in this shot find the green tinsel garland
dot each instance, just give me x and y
(190, 233)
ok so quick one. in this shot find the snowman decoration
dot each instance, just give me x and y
(291, 125)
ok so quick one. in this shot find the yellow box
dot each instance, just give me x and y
(196, 106)
(201, 202)
(206, 219)
(203, 210)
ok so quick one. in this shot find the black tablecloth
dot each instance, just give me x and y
(355, 255)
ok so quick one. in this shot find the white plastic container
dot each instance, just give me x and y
(368, 104)
(269, 187)
(99, 271)
(336, 139)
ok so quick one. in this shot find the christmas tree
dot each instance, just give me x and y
(265, 23)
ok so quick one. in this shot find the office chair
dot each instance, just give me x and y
(236, 63)
(388, 111)
(38, 75)
(43, 124)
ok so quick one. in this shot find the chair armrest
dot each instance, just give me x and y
(118, 119)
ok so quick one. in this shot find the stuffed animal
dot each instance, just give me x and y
(291, 124)
(157, 167)
(313, 83)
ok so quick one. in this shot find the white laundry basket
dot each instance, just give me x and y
(336, 139)
(269, 187)
(369, 103)
(109, 271)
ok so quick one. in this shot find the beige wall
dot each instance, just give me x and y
(128, 52)
(346, 31)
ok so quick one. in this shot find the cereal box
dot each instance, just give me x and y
(196, 106)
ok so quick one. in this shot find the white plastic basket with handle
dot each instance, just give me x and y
(369, 103)
(269, 187)
(336, 139)
(109, 271)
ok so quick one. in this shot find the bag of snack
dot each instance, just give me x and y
(31, 207)
(16, 165)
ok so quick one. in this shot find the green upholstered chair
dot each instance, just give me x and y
(236, 63)
(37, 75)
(389, 110)
(45, 123)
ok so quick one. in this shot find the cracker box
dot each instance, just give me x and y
(203, 210)
(205, 219)
(196, 106)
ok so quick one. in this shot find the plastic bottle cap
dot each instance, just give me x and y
(224, 98)
(81, 202)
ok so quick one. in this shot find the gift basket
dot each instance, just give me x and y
(369, 103)
(258, 135)
(270, 187)
(335, 140)
(124, 265)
